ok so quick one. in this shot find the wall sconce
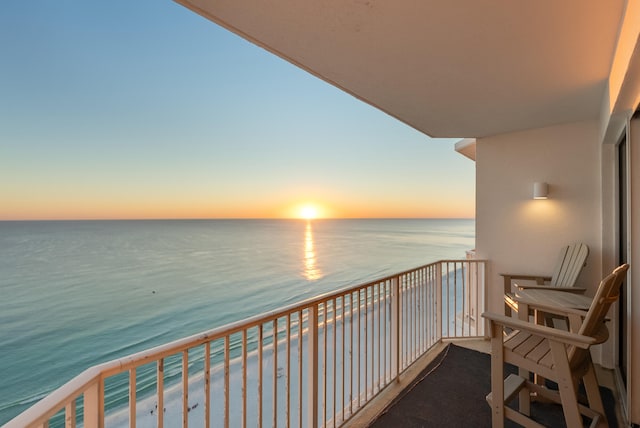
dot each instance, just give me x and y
(540, 190)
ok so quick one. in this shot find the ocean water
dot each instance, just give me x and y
(74, 294)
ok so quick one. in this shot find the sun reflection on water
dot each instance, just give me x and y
(311, 270)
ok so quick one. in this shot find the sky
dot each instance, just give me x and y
(144, 109)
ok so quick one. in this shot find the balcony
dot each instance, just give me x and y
(317, 363)
(333, 355)
(339, 360)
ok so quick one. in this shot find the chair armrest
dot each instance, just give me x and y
(508, 277)
(551, 288)
(551, 309)
(526, 276)
(557, 335)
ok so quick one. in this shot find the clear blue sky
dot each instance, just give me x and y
(143, 109)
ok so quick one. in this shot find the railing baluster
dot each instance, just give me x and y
(415, 316)
(424, 309)
(419, 317)
(411, 324)
(404, 317)
(473, 281)
(480, 289)
(300, 327)
(260, 375)
(335, 350)
(379, 333)
(409, 309)
(274, 422)
(244, 378)
(160, 392)
(384, 331)
(226, 381)
(439, 303)
(344, 359)
(70, 415)
(450, 300)
(312, 367)
(324, 364)
(132, 398)
(366, 342)
(438, 296)
(455, 299)
(288, 380)
(207, 384)
(396, 347)
(370, 324)
(405, 314)
(359, 306)
(185, 389)
(465, 304)
(351, 357)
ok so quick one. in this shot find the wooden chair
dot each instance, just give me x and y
(570, 263)
(558, 355)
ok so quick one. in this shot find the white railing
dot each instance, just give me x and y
(315, 363)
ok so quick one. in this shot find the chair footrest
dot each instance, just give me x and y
(512, 385)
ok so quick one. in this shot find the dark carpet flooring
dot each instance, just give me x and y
(451, 392)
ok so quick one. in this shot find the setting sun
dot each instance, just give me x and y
(308, 212)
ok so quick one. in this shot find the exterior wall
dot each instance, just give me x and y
(521, 235)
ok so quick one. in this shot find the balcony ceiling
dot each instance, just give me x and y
(455, 68)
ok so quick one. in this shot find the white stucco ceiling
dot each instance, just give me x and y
(454, 68)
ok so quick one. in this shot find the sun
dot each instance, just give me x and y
(308, 212)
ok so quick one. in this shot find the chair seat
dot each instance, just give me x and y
(536, 349)
(530, 347)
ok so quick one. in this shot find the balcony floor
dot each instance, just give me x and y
(387, 410)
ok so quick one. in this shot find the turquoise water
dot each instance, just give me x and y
(75, 294)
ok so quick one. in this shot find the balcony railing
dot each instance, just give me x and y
(315, 363)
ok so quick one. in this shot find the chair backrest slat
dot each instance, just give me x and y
(571, 261)
(608, 292)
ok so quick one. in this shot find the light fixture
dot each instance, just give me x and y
(540, 190)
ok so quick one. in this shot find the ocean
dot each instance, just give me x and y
(78, 293)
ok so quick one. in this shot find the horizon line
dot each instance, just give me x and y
(233, 218)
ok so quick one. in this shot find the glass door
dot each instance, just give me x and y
(623, 256)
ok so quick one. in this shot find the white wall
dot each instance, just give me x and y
(521, 235)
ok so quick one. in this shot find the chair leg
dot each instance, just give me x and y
(593, 395)
(566, 386)
(497, 381)
(524, 396)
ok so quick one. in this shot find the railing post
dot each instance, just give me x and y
(395, 325)
(94, 405)
(70, 414)
(312, 368)
(485, 295)
(439, 309)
